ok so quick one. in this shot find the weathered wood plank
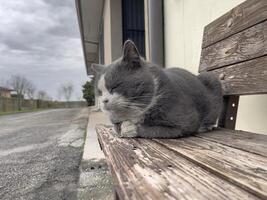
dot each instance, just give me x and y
(144, 169)
(248, 44)
(246, 170)
(250, 142)
(244, 78)
(240, 18)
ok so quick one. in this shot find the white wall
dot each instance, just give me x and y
(112, 30)
(107, 33)
(184, 24)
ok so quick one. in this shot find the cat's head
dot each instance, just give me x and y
(126, 86)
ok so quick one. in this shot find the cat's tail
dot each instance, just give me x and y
(211, 82)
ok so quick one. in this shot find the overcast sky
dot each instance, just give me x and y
(40, 39)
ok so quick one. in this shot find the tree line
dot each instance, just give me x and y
(26, 89)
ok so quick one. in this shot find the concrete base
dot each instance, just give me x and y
(95, 181)
(91, 148)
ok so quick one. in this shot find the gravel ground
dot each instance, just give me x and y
(40, 154)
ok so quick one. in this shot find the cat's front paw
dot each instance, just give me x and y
(128, 129)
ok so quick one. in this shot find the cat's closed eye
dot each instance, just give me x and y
(115, 87)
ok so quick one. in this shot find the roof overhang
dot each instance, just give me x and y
(90, 16)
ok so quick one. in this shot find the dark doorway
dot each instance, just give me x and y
(134, 23)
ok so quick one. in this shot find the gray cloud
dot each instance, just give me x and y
(40, 40)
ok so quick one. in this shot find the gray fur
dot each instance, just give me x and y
(159, 103)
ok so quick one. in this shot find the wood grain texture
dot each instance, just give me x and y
(250, 142)
(244, 169)
(144, 169)
(244, 78)
(246, 45)
(240, 18)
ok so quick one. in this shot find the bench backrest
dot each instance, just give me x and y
(235, 49)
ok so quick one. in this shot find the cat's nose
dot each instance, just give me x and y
(105, 101)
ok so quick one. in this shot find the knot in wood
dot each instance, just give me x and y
(229, 22)
(221, 76)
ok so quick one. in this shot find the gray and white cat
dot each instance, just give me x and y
(144, 100)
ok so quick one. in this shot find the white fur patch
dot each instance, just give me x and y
(113, 99)
(102, 84)
(105, 92)
(128, 129)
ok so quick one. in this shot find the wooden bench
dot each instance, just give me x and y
(222, 164)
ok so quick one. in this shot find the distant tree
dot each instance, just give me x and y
(21, 85)
(31, 91)
(42, 95)
(88, 92)
(66, 90)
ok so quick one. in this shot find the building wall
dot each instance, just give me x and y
(116, 29)
(107, 32)
(112, 30)
(5, 94)
(148, 56)
(184, 23)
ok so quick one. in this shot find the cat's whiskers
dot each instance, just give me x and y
(132, 107)
(128, 105)
(127, 102)
(139, 97)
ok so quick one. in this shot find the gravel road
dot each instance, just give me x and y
(40, 154)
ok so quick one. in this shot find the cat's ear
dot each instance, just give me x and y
(130, 52)
(97, 68)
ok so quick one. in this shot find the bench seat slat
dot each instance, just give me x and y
(249, 77)
(246, 45)
(144, 169)
(245, 169)
(250, 142)
(239, 18)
